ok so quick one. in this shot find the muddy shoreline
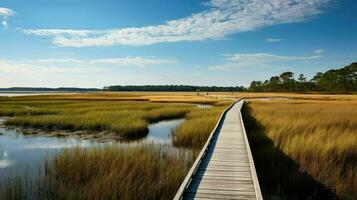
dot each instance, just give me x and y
(102, 136)
(99, 136)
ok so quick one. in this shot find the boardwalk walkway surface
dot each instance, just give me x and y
(224, 168)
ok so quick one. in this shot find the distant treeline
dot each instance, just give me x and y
(343, 80)
(174, 88)
(43, 89)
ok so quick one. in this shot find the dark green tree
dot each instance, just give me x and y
(287, 77)
(317, 77)
(341, 80)
(302, 78)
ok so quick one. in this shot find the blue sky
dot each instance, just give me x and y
(212, 42)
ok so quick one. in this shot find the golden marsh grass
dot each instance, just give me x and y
(319, 135)
(128, 119)
(114, 113)
(109, 172)
(199, 124)
(103, 173)
(172, 97)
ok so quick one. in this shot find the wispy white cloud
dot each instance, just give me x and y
(62, 32)
(136, 61)
(26, 68)
(239, 60)
(67, 65)
(5, 13)
(72, 71)
(123, 61)
(273, 39)
(221, 18)
(319, 51)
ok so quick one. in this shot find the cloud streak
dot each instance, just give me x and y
(5, 13)
(319, 51)
(68, 65)
(220, 19)
(79, 72)
(273, 39)
(48, 67)
(239, 60)
(123, 61)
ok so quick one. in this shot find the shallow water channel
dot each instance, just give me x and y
(18, 150)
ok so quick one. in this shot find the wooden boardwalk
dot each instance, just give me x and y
(224, 169)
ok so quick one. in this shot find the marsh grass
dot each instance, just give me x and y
(279, 175)
(104, 173)
(136, 172)
(110, 112)
(172, 97)
(319, 135)
(297, 96)
(128, 119)
(112, 173)
(198, 126)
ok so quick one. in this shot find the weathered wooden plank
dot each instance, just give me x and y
(227, 170)
(222, 191)
(220, 159)
(214, 183)
(223, 187)
(227, 156)
(229, 149)
(226, 183)
(222, 176)
(226, 164)
(242, 195)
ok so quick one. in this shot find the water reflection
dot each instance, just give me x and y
(56, 145)
(4, 161)
(161, 132)
(18, 150)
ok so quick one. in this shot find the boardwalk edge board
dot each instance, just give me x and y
(251, 160)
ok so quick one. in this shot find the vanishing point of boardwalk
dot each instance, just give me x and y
(224, 169)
